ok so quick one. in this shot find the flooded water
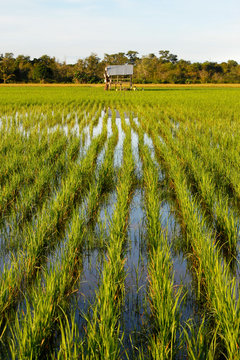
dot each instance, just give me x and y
(136, 273)
(135, 314)
(137, 160)
(118, 153)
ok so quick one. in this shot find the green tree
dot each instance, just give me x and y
(23, 68)
(132, 57)
(145, 70)
(64, 72)
(80, 75)
(7, 67)
(44, 69)
(115, 59)
(93, 69)
(165, 56)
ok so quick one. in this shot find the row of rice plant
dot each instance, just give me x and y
(164, 300)
(220, 289)
(49, 223)
(223, 167)
(32, 197)
(25, 181)
(215, 201)
(34, 330)
(104, 335)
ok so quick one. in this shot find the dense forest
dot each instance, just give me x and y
(164, 68)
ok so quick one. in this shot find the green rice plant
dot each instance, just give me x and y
(32, 331)
(70, 342)
(103, 327)
(95, 119)
(85, 116)
(214, 201)
(35, 327)
(221, 214)
(10, 192)
(17, 156)
(73, 149)
(226, 176)
(164, 301)
(196, 131)
(219, 288)
(50, 222)
(31, 198)
(196, 344)
(105, 176)
(164, 304)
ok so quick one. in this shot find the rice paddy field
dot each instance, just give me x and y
(119, 223)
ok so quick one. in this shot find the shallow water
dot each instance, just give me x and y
(134, 317)
(136, 272)
(118, 153)
(92, 263)
(137, 160)
(148, 141)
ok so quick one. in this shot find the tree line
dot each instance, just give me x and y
(162, 68)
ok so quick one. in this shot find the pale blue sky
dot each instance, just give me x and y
(72, 29)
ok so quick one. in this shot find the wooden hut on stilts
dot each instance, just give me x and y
(117, 75)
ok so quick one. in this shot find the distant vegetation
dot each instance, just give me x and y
(164, 68)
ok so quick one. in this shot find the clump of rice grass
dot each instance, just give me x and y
(219, 288)
(103, 328)
(163, 299)
(50, 222)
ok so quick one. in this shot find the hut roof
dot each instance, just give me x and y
(119, 70)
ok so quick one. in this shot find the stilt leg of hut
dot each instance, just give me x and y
(130, 82)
